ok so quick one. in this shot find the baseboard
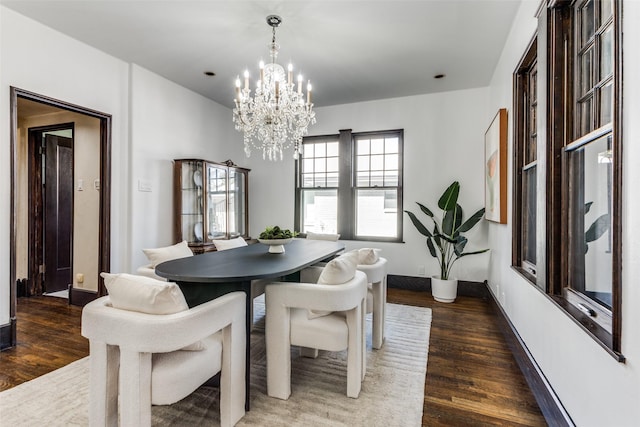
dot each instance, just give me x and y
(551, 407)
(8, 335)
(81, 297)
(465, 288)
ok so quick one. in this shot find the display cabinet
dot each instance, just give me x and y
(211, 202)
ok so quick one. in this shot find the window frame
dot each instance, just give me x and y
(347, 188)
(522, 136)
(562, 136)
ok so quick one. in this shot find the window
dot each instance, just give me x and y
(584, 162)
(526, 164)
(351, 184)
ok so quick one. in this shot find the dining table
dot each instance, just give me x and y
(209, 275)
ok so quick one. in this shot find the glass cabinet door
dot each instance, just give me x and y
(237, 202)
(216, 202)
(192, 214)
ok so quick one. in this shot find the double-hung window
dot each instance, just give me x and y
(351, 184)
(526, 164)
(583, 161)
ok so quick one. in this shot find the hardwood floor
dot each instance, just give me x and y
(472, 378)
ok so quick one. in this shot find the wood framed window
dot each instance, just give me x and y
(351, 184)
(526, 164)
(584, 176)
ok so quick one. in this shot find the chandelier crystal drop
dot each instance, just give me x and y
(278, 115)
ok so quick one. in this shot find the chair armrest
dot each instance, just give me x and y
(155, 333)
(315, 296)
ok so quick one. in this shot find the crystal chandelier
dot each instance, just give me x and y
(277, 116)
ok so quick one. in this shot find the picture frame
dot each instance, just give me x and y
(495, 150)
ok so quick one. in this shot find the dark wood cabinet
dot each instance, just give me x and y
(210, 202)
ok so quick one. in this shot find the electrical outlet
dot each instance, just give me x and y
(421, 271)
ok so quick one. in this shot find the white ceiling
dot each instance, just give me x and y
(352, 51)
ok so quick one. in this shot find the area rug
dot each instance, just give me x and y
(392, 391)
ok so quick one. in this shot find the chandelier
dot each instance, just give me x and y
(277, 117)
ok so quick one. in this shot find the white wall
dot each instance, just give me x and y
(443, 142)
(38, 59)
(594, 388)
(169, 122)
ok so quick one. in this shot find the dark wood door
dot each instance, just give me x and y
(58, 213)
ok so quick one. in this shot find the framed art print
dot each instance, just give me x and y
(495, 172)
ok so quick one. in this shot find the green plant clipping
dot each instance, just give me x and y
(275, 232)
(445, 241)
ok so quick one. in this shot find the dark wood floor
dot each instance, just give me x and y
(472, 378)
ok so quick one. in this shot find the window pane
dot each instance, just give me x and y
(606, 54)
(376, 213)
(529, 215)
(585, 123)
(587, 21)
(377, 179)
(391, 145)
(590, 204)
(320, 150)
(362, 179)
(307, 164)
(363, 146)
(307, 151)
(320, 211)
(606, 103)
(332, 164)
(391, 161)
(332, 149)
(605, 10)
(377, 146)
(586, 67)
(391, 178)
(377, 163)
(319, 180)
(332, 179)
(363, 163)
(319, 165)
(307, 180)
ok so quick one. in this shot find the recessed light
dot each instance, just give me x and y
(209, 73)
(439, 76)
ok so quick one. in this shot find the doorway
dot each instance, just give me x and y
(70, 211)
(51, 208)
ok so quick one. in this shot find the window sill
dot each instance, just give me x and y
(526, 275)
(586, 323)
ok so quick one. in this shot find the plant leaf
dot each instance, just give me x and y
(449, 198)
(425, 209)
(420, 226)
(473, 253)
(458, 248)
(587, 207)
(432, 248)
(598, 228)
(472, 221)
(451, 221)
(445, 238)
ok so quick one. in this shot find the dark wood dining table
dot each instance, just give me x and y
(212, 274)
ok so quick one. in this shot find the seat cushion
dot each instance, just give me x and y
(177, 374)
(329, 332)
(159, 255)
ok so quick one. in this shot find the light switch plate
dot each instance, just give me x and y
(144, 185)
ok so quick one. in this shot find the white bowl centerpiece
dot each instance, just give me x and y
(276, 238)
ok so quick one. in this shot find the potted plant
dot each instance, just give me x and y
(446, 242)
(276, 238)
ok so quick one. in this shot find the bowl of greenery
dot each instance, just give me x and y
(276, 238)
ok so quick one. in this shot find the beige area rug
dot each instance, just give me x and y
(392, 392)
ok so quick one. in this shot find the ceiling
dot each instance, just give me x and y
(352, 51)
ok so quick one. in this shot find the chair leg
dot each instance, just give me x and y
(354, 351)
(379, 299)
(103, 385)
(232, 381)
(278, 343)
(135, 390)
(309, 352)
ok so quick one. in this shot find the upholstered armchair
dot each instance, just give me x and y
(143, 358)
(316, 316)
